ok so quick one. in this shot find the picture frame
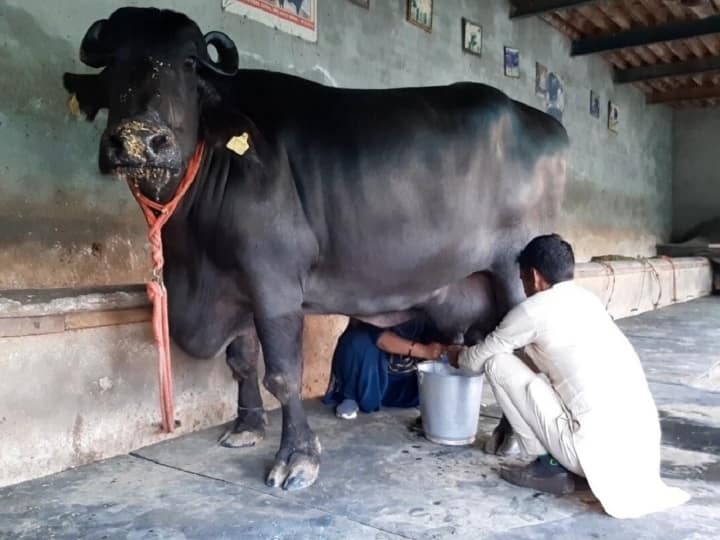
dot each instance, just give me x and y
(594, 104)
(362, 3)
(555, 96)
(420, 13)
(511, 62)
(297, 17)
(471, 37)
(613, 117)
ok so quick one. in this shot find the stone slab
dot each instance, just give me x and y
(128, 497)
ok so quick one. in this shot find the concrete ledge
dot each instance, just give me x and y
(48, 311)
(76, 396)
(80, 378)
(630, 287)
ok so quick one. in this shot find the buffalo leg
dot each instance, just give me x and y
(297, 462)
(509, 293)
(249, 426)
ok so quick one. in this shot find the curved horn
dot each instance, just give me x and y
(92, 51)
(228, 58)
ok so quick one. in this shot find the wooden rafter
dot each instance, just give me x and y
(659, 71)
(639, 37)
(689, 93)
(532, 8)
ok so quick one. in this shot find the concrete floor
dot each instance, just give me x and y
(379, 480)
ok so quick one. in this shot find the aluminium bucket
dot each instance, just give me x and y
(449, 403)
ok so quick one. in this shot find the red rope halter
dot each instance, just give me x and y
(156, 216)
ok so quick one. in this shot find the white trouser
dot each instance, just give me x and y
(534, 410)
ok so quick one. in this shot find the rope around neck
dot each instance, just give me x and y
(157, 215)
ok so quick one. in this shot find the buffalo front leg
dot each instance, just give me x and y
(249, 426)
(297, 462)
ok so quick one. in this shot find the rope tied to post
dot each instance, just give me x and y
(157, 215)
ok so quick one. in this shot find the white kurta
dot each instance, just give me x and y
(594, 369)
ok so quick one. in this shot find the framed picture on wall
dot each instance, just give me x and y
(512, 62)
(555, 96)
(362, 3)
(420, 12)
(613, 117)
(472, 37)
(594, 105)
(295, 17)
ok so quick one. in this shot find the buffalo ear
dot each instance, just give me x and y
(88, 91)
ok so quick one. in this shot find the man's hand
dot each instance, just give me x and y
(453, 353)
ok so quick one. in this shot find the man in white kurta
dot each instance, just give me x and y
(589, 407)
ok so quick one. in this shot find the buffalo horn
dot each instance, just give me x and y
(228, 58)
(92, 52)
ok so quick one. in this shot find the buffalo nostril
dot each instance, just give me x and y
(158, 143)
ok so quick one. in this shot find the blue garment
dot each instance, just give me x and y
(360, 369)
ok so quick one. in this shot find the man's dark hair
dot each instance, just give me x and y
(550, 255)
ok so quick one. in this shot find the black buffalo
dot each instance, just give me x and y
(370, 203)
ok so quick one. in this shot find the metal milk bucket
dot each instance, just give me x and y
(449, 403)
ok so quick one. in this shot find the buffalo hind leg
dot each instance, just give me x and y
(297, 462)
(508, 294)
(249, 426)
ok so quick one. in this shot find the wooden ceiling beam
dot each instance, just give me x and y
(688, 93)
(645, 36)
(659, 71)
(530, 8)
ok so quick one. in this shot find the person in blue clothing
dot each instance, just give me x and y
(375, 367)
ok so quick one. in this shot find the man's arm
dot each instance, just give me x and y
(515, 331)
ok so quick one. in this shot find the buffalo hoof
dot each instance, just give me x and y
(244, 434)
(241, 439)
(510, 447)
(503, 444)
(298, 471)
(494, 441)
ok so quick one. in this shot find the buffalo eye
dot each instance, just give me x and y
(190, 62)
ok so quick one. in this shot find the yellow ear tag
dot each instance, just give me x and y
(239, 144)
(74, 105)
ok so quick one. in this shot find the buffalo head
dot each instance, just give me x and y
(156, 76)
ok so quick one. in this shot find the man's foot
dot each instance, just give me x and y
(543, 474)
(347, 410)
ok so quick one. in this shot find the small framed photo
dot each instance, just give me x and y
(420, 13)
(541, 75)
(613, 117)
(362, 3)
(512, 62)
(594, 105)
(472, 37)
